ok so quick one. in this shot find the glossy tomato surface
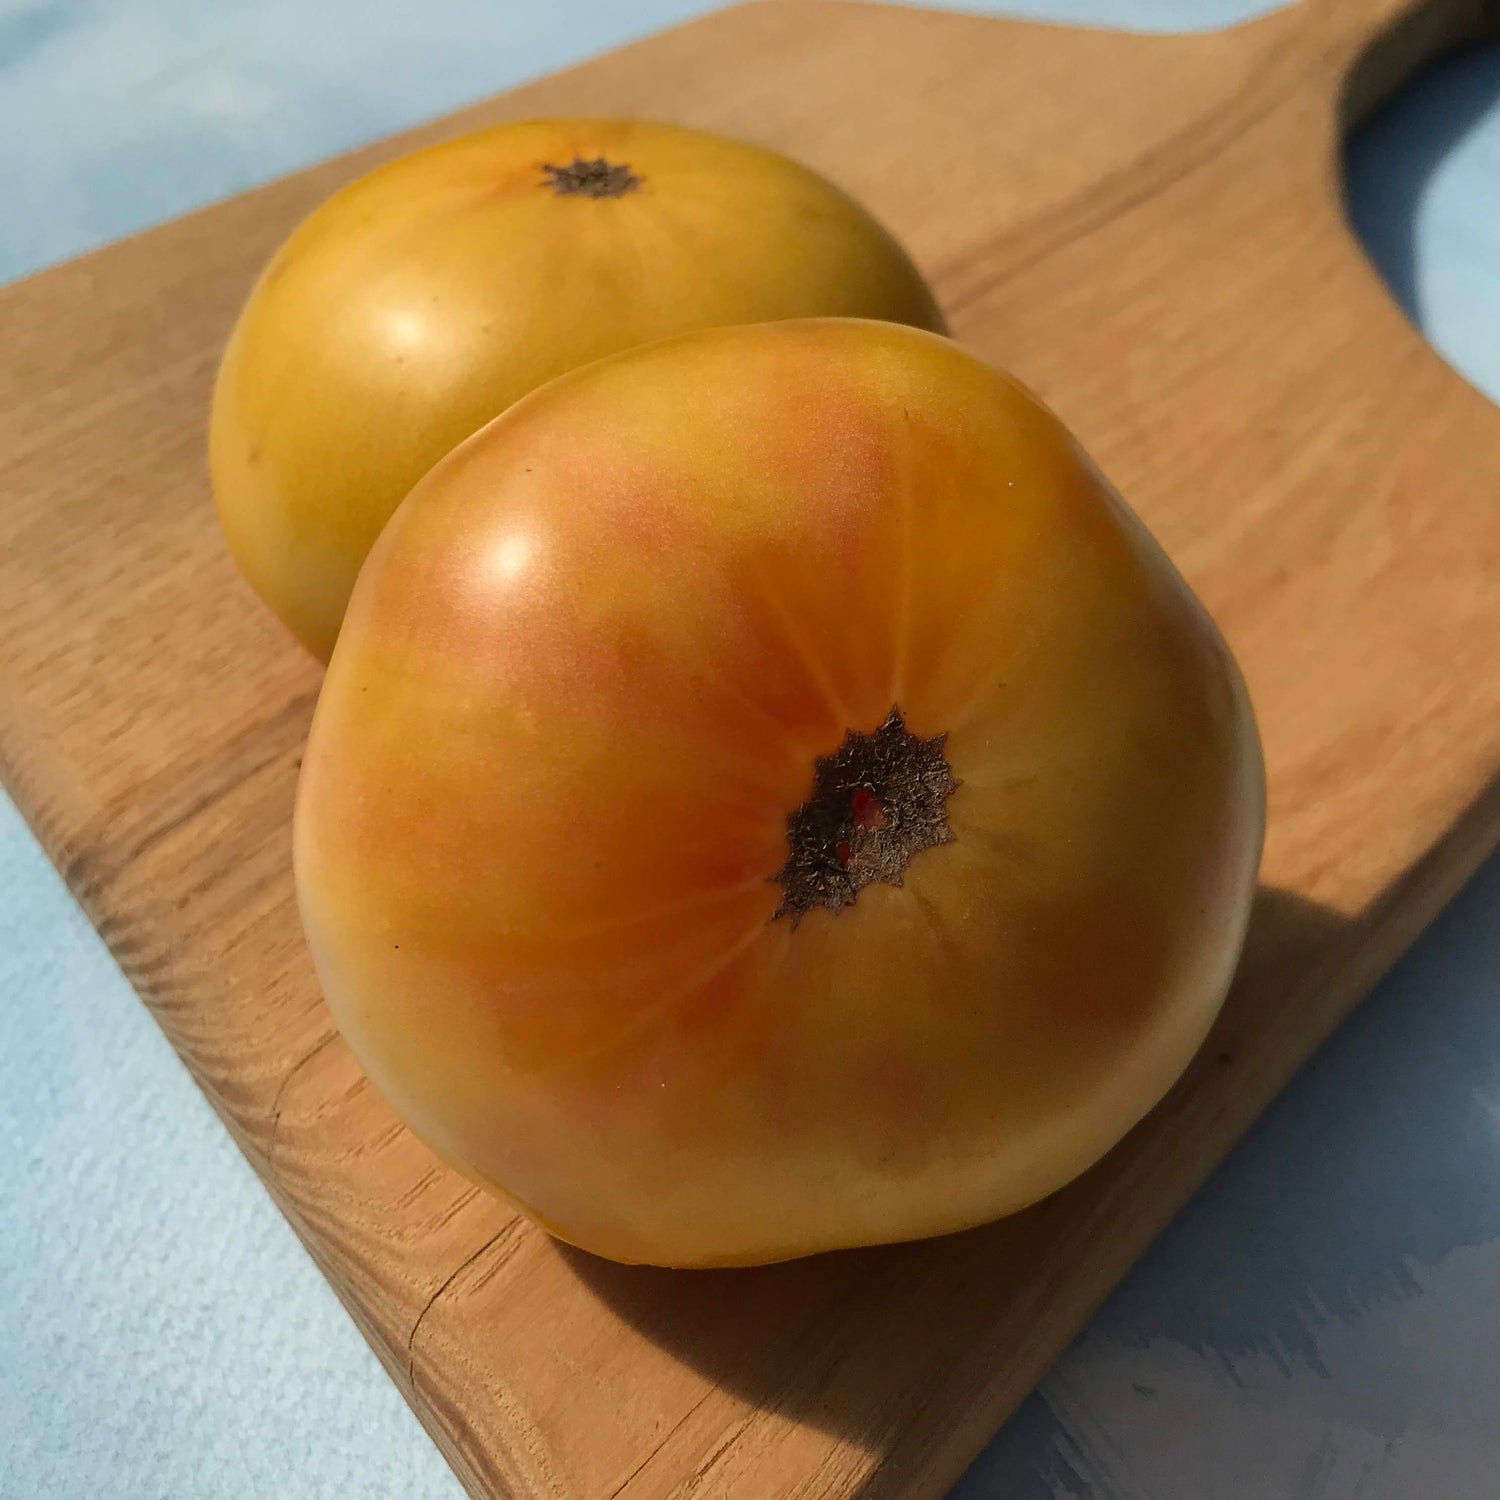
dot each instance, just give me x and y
(423, 299)
(770, 794)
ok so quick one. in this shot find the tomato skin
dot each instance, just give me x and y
(584, 681)
(426, 297)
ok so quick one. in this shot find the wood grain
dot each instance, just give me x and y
(1149, 230)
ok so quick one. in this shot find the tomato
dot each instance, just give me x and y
(425, 298)
(770, 794)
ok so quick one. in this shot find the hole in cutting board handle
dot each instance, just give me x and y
(1418, 174)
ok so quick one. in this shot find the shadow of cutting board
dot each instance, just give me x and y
(1149, 230)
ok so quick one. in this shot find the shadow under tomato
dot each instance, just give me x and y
(1328, 1243)
(856, 1341)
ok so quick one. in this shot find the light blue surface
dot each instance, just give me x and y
(164, 1332)
(1322, 1323)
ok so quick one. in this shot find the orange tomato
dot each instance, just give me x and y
(770, 794)
(422, 300)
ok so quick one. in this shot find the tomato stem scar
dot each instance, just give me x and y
(877, 801)
(589, 179)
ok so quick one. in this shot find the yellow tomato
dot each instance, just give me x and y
(770, 794)
(424, 299)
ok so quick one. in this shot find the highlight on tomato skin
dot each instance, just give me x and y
(421, 300)
(770, 795)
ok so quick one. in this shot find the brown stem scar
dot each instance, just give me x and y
(589, 179)
(878, 800)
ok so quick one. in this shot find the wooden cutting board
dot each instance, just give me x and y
(1149, 231)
